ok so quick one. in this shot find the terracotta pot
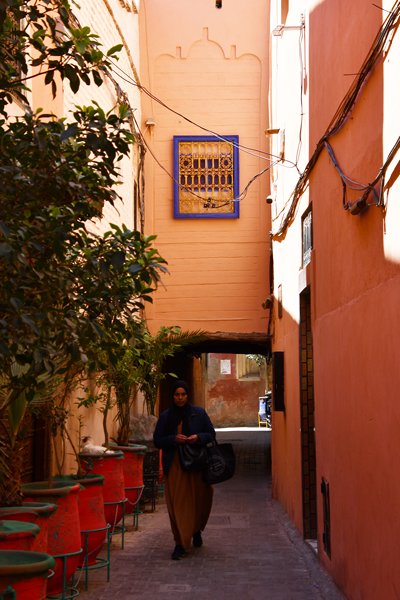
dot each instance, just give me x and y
(64, 541)
(91, 515)
(32, 512)
(110, 465)
(25, 573)
(133, 473)
(18, 535)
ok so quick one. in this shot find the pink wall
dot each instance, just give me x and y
(208, 65)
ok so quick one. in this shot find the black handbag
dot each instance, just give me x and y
(221, 463)
(192, 457)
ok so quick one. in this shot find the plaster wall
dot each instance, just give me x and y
(289, 92)
(115, 22)
(231, 401)
(210, 66)
(354, 278)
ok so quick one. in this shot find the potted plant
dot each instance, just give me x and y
(65, 548)
(32, 512)
(144, 370)
(24, 574)
(62, 284)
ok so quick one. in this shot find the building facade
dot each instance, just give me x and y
(205, 80)
(336, 283)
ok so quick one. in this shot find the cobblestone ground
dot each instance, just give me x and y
(250, 551)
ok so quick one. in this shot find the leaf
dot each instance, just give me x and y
(71, 131)
(17, 412)
(97, 78)
(118, 259)
(115, 49)
(49, 77)
(30, 322)
(4, 229)
(5, 249)
(134, 269)
(73, 78)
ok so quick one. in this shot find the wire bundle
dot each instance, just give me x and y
(385, 35)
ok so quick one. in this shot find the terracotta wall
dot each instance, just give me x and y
(231, 401)
(354, 281)
(209, 66)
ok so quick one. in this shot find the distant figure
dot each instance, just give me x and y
(189, 498)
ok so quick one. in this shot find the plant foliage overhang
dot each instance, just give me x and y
(62, 285)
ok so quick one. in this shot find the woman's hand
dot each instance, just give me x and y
(180, 438)
(192, 439)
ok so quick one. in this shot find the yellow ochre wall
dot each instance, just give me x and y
(115, 22)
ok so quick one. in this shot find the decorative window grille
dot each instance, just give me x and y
(206, 173)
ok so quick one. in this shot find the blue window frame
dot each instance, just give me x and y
(206, 177)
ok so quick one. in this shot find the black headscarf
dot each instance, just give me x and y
(179, 414)
(180, 383)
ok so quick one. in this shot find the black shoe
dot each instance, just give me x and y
(197, 539)
(178, 553)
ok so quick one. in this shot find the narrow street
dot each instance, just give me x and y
(250, 550)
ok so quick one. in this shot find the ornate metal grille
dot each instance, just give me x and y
(205, 177)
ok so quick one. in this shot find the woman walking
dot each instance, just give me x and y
(188, 497)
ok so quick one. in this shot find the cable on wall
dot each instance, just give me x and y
(384, 36)
(261, 154)
(238, 198)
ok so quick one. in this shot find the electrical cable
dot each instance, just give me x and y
(301, 38)
(239, 198)
(385, 35)
(261, 154)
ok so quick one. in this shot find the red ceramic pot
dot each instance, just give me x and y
(91, 515)
(32, 512)
(24, 574)
(18, 535)
(64, 541)
(133, 473)
(110, 465)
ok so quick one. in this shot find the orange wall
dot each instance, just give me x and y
(356, 315)
(210, 66)
(354, 279)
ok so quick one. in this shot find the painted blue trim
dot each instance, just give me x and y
(206, 138)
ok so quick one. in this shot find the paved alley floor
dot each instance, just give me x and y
(250, 551)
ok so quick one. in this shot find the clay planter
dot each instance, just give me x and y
(151, 475)
(32, 512)
(110, 465)
(133, 473)
(18, 535)
(64, 527)
(25, 574)
(91, 515)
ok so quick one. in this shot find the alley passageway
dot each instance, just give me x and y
(250, 549)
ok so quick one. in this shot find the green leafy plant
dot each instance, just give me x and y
(67, 292)
(153, 353)
(139, 365)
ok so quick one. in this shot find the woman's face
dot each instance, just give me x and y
(180, 396)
